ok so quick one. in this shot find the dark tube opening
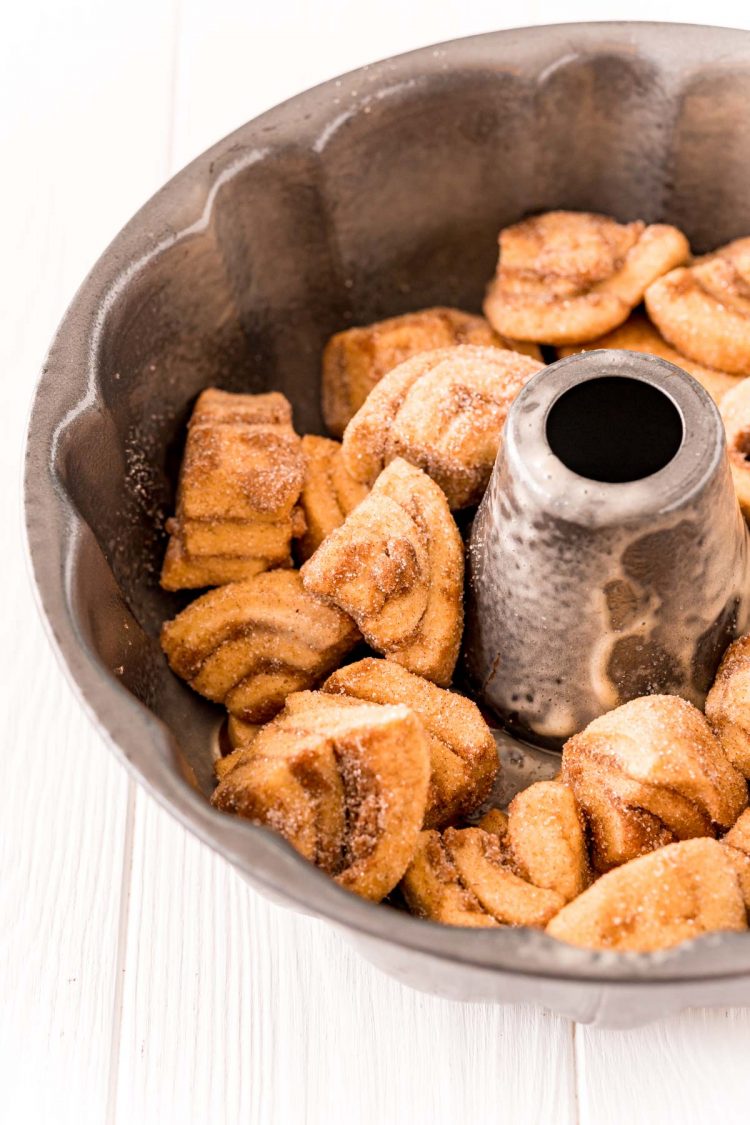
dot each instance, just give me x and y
(614, 429)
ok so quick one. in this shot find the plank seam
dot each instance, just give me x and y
(121, 955)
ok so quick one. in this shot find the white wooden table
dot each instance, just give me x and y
(140, 979)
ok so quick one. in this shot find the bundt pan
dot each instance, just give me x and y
(366, 197)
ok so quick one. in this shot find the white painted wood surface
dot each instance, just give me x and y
(140, 979)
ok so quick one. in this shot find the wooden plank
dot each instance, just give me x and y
(83, 126)
(237, 1010)
(688, 1068)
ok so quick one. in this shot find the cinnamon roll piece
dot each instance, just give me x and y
(240, 480)
(728, 704)
(735, 414)
(344, 782)
(547, 839)
(638, 334)
(396, 567)
(703, 310)
(737, 843)
(444, 412)
(463, 878)
(329, 493)
(674, 894)
(463, 754)
(355, 360)
(649, 773)
(250, 644)
(566, 277)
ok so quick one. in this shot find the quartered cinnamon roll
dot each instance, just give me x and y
(355, 360)
(396, 567)
(728, 704)
(444, 412)
(240, 481)
(649, 773)
(674, 894)
(704, 309)
(463, 754)
(329, 493)
(463, 878)
(566, 277)
(735, 414)
(344, 782)
(250, 644)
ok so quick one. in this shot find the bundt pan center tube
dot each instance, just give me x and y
(373, 195)
(609, 557)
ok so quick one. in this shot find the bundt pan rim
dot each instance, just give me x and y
(503, 965)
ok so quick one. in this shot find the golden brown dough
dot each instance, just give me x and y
(566, 277)
(464, 875)
(638, 334)
(672, 895)
(649, 773)
(250, 644)
(703, 310)
(444, 412)
(354, 361)
(344, 782)
(496, 822)
(396, 567)
(728, 704)
(735, 413)
(547, 839)
(737, 843)
(329, 493)
(463, 754)
(240, 480)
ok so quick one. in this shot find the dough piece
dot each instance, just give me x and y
(638, 334)
(354, 361)
(728, 704)
(463, 753)
(250, 644)
(466, 872)
(566, 277)
(443, 411)
(737, 843)
(496, 822)
(649, 773)
(703, 310)
(396, 566)
(345, 785)
(735, 413)
(672, 895)
(329, 493)
(240, 480)
(547, 839)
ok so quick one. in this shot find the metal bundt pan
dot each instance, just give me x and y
(369, 196)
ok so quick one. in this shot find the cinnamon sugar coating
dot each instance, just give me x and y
(355, 360)
(649, 773)
(674, 894)
(329, 493)
(463, 878)
(547, 839)
(638, 334)
(463, 754)
(250, 644)
(344, 782)
(704, 309)
(240, 480)
(565, 277)
(443, 411)
(735, 414)
(396, 566)
(728, 704)
(737, 843)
